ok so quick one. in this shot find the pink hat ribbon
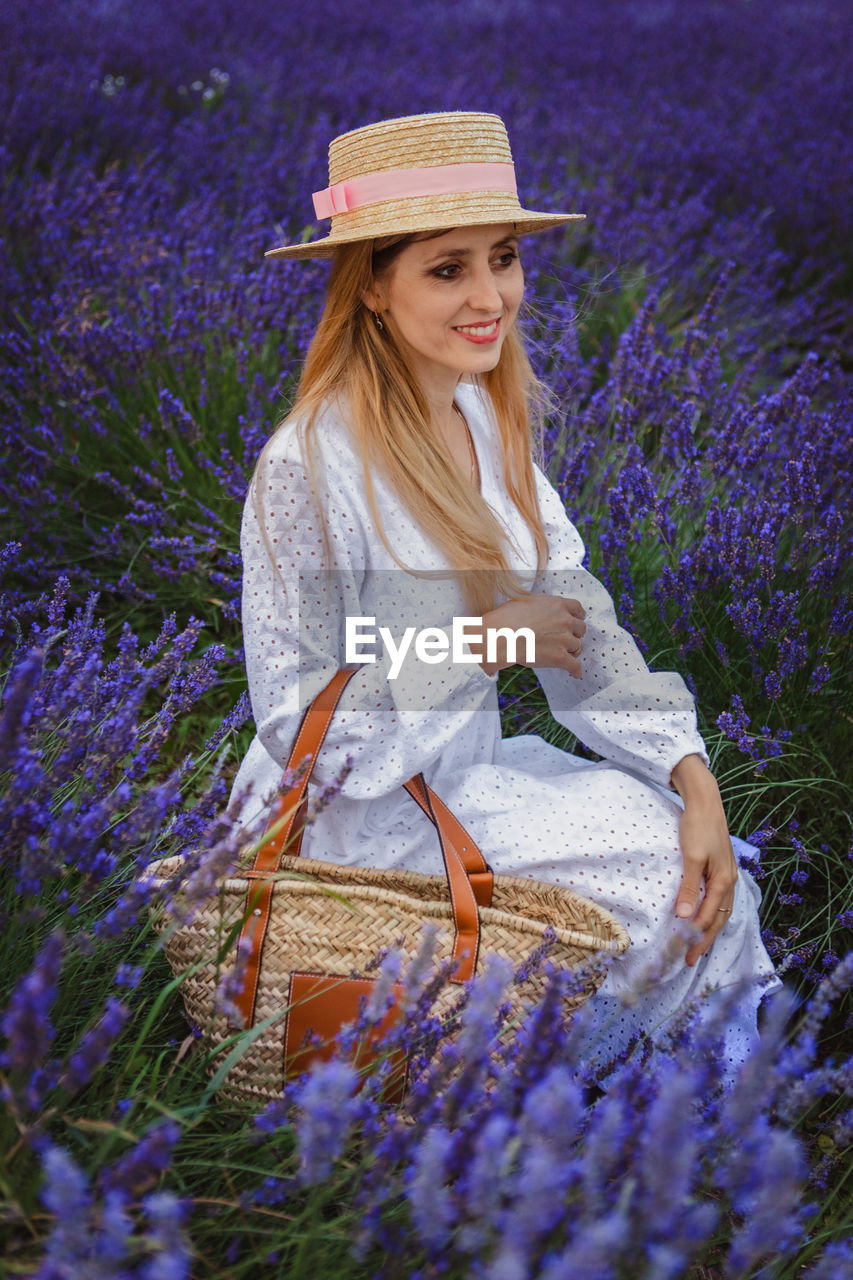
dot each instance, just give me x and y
(402, 184)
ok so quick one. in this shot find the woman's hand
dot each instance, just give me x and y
(557, 624)
(706, 848)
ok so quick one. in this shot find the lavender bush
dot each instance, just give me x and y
(696, 334)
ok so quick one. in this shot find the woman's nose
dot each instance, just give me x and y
(484, 294)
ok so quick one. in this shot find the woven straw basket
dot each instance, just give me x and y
(311, 931)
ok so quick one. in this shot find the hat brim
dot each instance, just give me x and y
(410, 221)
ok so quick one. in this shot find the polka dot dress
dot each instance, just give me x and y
(607, 830)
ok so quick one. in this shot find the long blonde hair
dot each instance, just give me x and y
(389, 421)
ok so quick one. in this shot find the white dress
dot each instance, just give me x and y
(607, 830)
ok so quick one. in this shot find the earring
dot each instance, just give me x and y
(379, 325)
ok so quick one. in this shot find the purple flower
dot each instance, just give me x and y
(328, 1108)
(94, 1048)
(430, 1200)
(595, 1250)
(835, 1263)
(231, 983)
(67, 1197)
(666, 1187)
(90, 1239)
(382, 996)
(480, 1013)
(765, 1178)
(171, 1253)
(26, 1022)
(235, 719)
(17, 707)
(128, 975)
(142, 1166)
(489, 1165)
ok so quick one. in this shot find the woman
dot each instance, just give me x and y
(399, 499)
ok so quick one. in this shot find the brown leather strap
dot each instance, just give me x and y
(466, 915)
(289, 813)
(453, 833)
(309, 740)
(468, 874)
(252, 936)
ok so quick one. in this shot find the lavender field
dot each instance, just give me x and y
(696, 332)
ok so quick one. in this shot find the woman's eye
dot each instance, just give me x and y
(448, 272)
(507, 258)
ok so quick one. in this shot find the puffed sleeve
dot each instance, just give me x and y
(297, 594)
(634, 717)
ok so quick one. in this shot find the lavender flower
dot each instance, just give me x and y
(172, 1256)
(94, 1048)
(231, 983)
(593, 1252)
(834, 1263)
(101, 1241)
(489, 1166)
(667, 1184)
(481, 1010)
(432, 1205)
(67, 1196)
(382, 995)
(26, 1022)
(328, 1110)
(765, 1179)
(547, 1131)
(143, 1165)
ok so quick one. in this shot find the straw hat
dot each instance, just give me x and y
(419, 173)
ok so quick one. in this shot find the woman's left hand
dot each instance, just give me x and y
(707, 852)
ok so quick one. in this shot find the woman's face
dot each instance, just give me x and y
(449, 302)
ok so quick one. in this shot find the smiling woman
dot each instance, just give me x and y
(401, 489)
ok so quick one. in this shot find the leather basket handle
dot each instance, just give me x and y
(308, 742)
(469, 876)
(453, 833)
(290, 810)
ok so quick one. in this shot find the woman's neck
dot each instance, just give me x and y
(451, 428)
(439, 398)
(439, 393)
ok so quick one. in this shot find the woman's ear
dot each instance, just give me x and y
(371, 299)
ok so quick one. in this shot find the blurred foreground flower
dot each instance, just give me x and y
(510, 1168)
(107, 1238)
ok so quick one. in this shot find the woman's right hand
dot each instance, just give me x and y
(557, 623)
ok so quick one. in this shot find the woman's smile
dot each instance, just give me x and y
(489, 332)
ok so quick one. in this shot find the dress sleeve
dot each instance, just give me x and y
(634, 717)
(298, 590)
